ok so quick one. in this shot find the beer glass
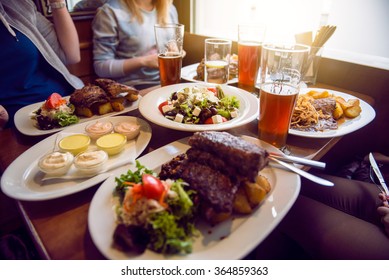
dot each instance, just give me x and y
(250, 38)
(170, 40)
(281, 67)
(217, 60)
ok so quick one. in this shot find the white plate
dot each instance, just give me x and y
(148, 107)
(232, 239)
(22, 179)
(350, 125)
(189, 72)
(26, 125)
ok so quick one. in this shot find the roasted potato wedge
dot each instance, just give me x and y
(132, 97)
(83, 111)
(118, 103)
(317, 94)
(104, 108)
(241, 203)
(338, 112)
(255, 193)
(263, 182)
(353, 111)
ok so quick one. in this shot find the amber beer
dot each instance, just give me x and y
(249, 56)
(169, 68)
(276, 105)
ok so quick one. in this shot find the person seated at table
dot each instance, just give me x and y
(34, 53)
(124, 45)
(347, 221)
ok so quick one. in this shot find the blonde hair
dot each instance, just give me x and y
(162, 7)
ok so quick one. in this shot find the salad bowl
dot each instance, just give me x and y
(148, 107)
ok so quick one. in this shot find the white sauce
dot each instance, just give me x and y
(90, 159)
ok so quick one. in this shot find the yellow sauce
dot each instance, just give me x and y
(75, 143)
(112, 143)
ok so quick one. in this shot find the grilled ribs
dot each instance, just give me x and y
(114, 88)
(88, 95)
(246, 158)
(214, 166)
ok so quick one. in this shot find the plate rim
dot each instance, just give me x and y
(368, 114)
(250, 113)
(10, 177)
(23, 116)
(175, 148)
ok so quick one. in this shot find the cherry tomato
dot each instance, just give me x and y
(54, 101)
(210, 121)
(213, 90)
(161, 105)
(152, 187)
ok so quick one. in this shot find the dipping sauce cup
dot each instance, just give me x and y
(170, 40)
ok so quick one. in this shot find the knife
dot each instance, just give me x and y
(378, 173)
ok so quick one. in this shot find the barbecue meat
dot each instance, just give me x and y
(246, 158)
(326, 105)
(215, 189)
(114, 88)
(88, 96)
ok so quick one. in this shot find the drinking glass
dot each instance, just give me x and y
(250, 38)
(217, 60)
(281, 67)
(170, 40)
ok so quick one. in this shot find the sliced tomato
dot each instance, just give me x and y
(152, 187)
(161, 105)
(210, 121)
(54, 101)
(213, 89)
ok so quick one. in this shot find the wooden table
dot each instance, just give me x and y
(59, 226)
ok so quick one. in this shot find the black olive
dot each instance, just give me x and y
(205, 114)
(174, 96)
(213, 110)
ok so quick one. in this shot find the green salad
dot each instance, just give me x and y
(153, 214)
(200, 105)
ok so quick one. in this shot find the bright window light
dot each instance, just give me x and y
(362, 25)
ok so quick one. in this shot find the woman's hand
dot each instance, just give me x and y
(383, 211)
(3, 117)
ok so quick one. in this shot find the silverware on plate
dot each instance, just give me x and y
(303, 173)
(298, 160)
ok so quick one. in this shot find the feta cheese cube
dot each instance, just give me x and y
(167, 108)
(217, 119)
(179, 118)
(234, 114)
(196, 111)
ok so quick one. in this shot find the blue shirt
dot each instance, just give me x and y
(25, 76)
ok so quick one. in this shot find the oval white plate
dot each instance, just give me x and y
(232, 239)
(22, 179)
(350, 125)
(26, 125)
(148, 107)
(190, 71)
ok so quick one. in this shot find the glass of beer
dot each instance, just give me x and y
(170, 40)
(250, 38)
(217, 60)
(281, 67)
